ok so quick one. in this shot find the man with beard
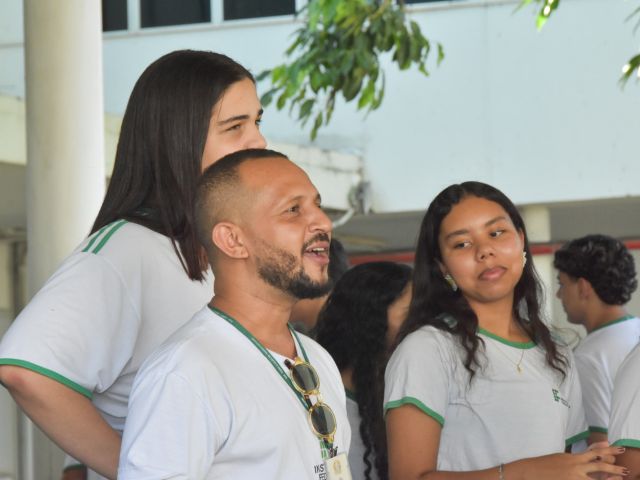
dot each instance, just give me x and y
(236, 393)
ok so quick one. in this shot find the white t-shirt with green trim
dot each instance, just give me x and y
(503, 415)
(624, 426)
(107, 307)
(209, 405)
(598, 358)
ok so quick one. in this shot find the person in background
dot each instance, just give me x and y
(236, 393)
(70, 357)
(477, 387)
(305, 313)
(358, 326)
(596, 277)
(624, 424)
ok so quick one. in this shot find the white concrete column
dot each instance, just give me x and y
(65, 154)
(537, 219)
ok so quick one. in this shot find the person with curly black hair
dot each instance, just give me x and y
(357, 326)
(596, 277)
(478, 388)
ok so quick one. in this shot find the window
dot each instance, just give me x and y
(114, 15)
(160, 13)
(236, 9)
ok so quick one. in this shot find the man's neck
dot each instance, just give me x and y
(603, 315)
(265, 318)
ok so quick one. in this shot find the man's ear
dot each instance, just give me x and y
(585, 289)
(227, 237)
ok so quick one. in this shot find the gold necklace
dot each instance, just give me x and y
(518, 365)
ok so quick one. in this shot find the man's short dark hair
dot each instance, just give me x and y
(217, 192)
(604, 262)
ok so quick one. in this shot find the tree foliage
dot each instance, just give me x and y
(547, 7)
(337, 51)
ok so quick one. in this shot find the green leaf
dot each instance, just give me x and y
(262, 75)
(316, 126)
(367, 94)
(305, 109)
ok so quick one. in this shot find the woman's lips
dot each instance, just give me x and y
(493, 273)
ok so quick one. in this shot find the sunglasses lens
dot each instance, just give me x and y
(305, 377)
(322, 419)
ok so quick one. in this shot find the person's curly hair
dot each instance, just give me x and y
(604, 262)
(352, 327)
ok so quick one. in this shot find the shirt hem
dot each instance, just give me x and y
(47, 373)
(416, 403)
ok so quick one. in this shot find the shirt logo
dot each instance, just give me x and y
(557, 398)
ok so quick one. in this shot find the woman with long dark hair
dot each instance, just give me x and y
(357, 326)
(478, 388)
(69, 359)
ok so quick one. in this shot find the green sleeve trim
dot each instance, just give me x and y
(47, 373)
(106, 238)
(626, 442)
(350, 394)
(598, 429)
(576, 438)
(416, 403)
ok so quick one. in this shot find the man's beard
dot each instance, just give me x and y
(278, 269)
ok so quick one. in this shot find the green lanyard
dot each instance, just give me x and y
(266, 352)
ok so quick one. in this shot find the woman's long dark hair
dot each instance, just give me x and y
(162, 138)
(352, 327)
(433, 299)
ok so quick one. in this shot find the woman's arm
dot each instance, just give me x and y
(414, 437)
(66, 417)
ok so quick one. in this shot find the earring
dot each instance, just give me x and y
(452, 283)
(524, 258)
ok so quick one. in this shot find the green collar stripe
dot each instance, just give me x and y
(106, 238)
(576, 438)
(598, 429)
(612, 322)
(418, 404)
(95, 237)
(238, 326)
(521, 345)
(47, 373)
(626, 442)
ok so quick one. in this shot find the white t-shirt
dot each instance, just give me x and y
(598, 358)
(624, 427)
(209, 405)
(503, 415)
(113, 301)
(356, 449)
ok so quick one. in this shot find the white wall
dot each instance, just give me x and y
(539, 115)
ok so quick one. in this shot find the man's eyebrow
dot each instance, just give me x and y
(238, 118)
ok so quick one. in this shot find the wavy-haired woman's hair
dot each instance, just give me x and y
(352, 327)
(435, 303)
(162, 138)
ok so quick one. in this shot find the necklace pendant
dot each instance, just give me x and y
(519, 369)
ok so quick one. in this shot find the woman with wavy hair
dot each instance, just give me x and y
(478, 388)
(358, 326)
